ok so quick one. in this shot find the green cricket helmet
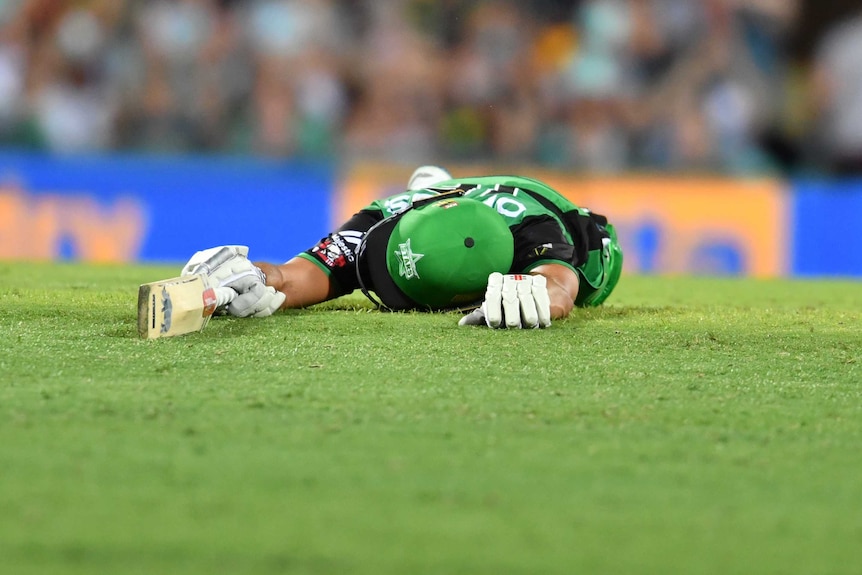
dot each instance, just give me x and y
(436, 254)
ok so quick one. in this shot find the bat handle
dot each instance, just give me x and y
(224, 295)
(206, 267)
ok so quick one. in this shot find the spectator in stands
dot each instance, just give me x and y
(73, 93)
(298, 100)
(490, 84)
(14, 59)
(182, 45)
(838, 97)
(398, 101)
(595, 85)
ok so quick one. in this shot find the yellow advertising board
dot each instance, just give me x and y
(36, 227)
(666, 224)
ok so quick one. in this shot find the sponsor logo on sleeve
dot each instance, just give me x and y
(335, 251)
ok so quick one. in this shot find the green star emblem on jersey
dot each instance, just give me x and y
(407, 260)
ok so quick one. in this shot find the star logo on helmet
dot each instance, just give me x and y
(407, 261)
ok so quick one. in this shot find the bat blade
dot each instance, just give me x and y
(175, 306)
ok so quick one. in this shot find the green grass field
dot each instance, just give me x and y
(690, 426)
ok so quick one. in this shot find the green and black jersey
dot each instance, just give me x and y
(547, 228)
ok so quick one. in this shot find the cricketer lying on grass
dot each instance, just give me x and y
(511, 249)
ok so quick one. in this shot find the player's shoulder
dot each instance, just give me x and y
(496, 179)
(514, 181)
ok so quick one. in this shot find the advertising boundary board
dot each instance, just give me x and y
(135, 208)
(158, 209)
(826, 220)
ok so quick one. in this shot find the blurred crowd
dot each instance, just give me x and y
(593, 85)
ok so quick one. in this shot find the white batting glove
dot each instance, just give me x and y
(205, 261)
(229, 267)
(258, 300)
(513, 301)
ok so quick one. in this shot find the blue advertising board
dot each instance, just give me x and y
(159, 209)
(826, 224)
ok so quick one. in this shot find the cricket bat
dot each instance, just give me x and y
(181, 305)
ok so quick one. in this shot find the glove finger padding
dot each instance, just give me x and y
(510, 300)
(258, 301)
(528, 316)
(255, 298)
(513, 301)
(271, 303)
(539, 289)
(492, 307)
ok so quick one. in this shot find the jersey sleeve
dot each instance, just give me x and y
(540, 240)
(336, 253)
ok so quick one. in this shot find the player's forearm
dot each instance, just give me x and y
(302, 282)
(562, 303)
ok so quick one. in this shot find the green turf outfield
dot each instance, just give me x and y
(690, 426)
